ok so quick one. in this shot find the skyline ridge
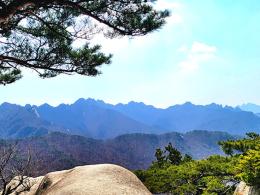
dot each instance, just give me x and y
(130, 102)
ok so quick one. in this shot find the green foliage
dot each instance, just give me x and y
(174, 156)
(39, 35)
(240, 146)
(187, 158)
(214, 175)
(195, 177)
(8, 76)
(249, 167)
(170, 156)
(252, 135)
(160, 157)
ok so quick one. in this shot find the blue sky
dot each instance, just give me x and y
(209, 51)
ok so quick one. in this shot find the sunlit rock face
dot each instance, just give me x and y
(243, 189)
(103, 179)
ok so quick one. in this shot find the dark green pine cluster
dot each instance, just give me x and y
(170, 156)
(174, 174)
(39, 35)
(247, 151)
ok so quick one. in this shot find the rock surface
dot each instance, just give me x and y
(243, 189)
(103, 179)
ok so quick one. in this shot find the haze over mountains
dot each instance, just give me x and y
(91, 131)
(97, 119)
(134, 151)
(250, 107)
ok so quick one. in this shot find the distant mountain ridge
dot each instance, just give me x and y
(97, 119)
(92, 119)
(19, 122)
(250, 108)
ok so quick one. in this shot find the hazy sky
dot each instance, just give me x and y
(209, 51)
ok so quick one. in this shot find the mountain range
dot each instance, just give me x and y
(134, 151)
(97, 119)
(250, 108)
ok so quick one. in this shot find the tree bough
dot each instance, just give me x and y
(39, 35)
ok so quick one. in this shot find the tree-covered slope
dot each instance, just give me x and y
(134, 151)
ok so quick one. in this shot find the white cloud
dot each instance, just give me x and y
(175, 18)
(163, 4)
(189, 65)
(183, 49)
(198, 47)
(198, 54)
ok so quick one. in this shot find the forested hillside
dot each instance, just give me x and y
(58, 151)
